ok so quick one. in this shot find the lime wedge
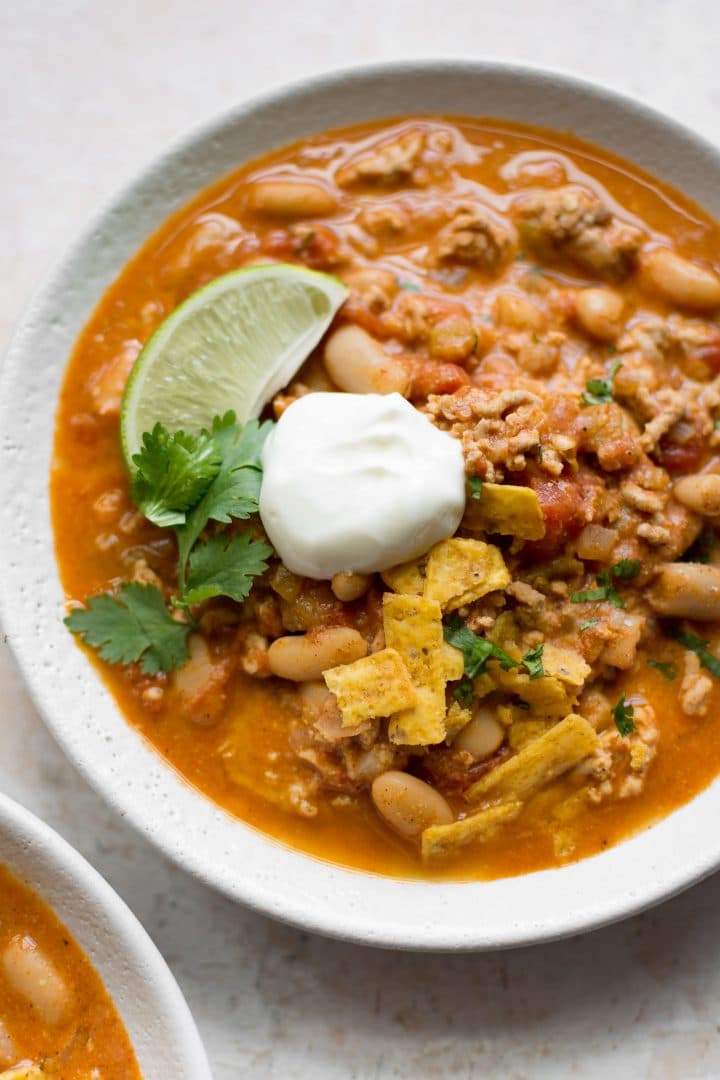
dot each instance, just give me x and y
(231, 345)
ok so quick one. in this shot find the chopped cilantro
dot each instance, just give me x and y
(463, 692)
(701, 649)
(624, 717)
(625, 570)
(476, 650)
(667, 669)
(587, 624)
(533, 662)
(476, 485)
(133, 626)
(600, 391)
(716, 423)
(408, 286)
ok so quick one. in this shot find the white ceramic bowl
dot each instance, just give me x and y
(135, 975)
(235, 858)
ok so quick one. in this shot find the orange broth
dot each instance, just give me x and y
(87, 463)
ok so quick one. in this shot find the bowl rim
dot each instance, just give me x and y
(105, 928)
(274, 879)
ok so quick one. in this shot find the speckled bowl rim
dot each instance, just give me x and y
(154, 1012)
(235, 858)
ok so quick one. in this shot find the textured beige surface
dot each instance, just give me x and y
(89, 91)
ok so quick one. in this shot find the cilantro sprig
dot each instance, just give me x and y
(533, 662)
(667, 669)
(701, 649)
(476, 650)
(624, 716)
(133, 626)
(625, 570)
(600, 391)
(185, 482)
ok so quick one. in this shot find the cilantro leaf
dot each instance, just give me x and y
(624, 716)
(667, 669)
(173, 472)
(701, 649)
(533, 662)
(133, 626)
(476, 650)
(600, 391)
(587, 624)
(224, 566)
(476, 485)
(463, 692)
(235, 491)
(625, 570)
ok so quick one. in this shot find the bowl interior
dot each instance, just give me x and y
(153, 1010)
(226, 853)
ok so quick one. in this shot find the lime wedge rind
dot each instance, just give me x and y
(231, 345)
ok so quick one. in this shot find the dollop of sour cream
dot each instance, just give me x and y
(358, 482)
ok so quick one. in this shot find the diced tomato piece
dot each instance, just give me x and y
(432, 377)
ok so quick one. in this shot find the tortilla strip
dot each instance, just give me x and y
(538, 762)
(460, 571)
(440, 840)
(506, 509)
(413, 626)
(408, 578)
(377, 685)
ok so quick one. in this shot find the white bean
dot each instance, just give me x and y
(687, 590)
(482, 736)
(291, 199)
(358, 364)
(600, 312)
(407, 804)
(304, 657)
(197, 670)
(517, 311)
(349, 587)
(700, 493)
(33, 975)
(681, 281)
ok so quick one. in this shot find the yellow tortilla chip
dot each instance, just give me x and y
(506, 509)
(451, 662)
(460, 571)
(546, 696)
(457, 718)
(523, 732)
(566, 665)
(424, 723)
(413, 626)
(377, 685)
(442, 840)
(540, 761)
(408, 578)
